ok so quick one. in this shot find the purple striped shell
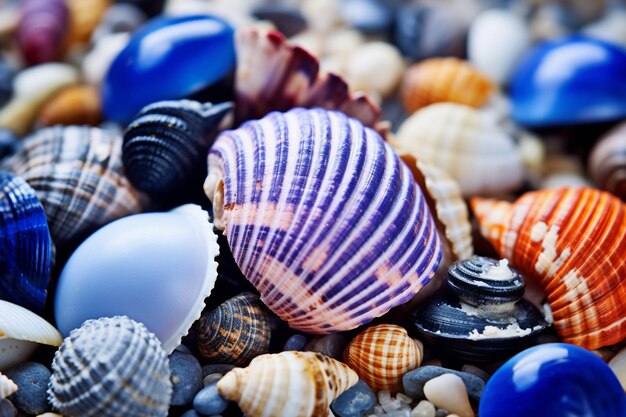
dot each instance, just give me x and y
(42, 29)
(322, 217)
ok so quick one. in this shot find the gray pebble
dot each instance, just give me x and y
(220, 368)
(209, 402)
(413, 381)
(331, 345)
(357, 400)
(32, 380)
(186, 377)
(471, 369)
(181, 350)
(191, 413)
(7, 409)
(295, 342)
(441, 412)
(211, 378)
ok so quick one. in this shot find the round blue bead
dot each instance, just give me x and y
(32, 380)
(209, 402)
(168, 58)
(553, 380)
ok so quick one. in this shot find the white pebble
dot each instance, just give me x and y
(448, 391)
(404, 398)
(398, 413)
(384, 397)
(391, 405)
(424, 409)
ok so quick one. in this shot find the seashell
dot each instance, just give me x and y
(275, 75)
(98, 60)
(166, 145)
(448, 391)
(75, 105)
(332, 240)
(20, 332)
(382, 354)
(468, 145)
(376, 68)
(78, 176)
(110, 367)
(235, 332)
(439, 80)
(42, 30)
(84, 16)
(572, 240)
(170, 256)
(607, 163)
(7, 387)
(26, 250)
(287, 384)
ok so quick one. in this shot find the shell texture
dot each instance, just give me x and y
(75, 105)
(382, 354)
(166, 145)
(334, 232)
(7, 386)
(607, 163)
(573, 241)
(235, 332)
(287, 384)
(439, 80)
(112, 366)
(78, 176)
(26, 249)
(465, 143)
(42, 30)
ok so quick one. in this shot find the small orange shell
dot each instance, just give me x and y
(85, 16)
(573, 241)
(76, 105)
(438, 80)
(382, 354)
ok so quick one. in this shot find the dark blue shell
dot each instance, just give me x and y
(26, 251)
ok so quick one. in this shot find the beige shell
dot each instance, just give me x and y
(287, 384)
(468, 145)
(382, 354)
(7, 386)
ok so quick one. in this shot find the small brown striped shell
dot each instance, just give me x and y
(438, 80)
(235, 332)
(607, 164)
(75, 105)
(382, 354)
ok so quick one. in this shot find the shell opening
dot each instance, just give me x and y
(214, 189)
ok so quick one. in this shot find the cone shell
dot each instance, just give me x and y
(287, 384)
(466, 144)
(332, 239)
(110, 367)
(607, 164)
(7, 386)
(382, 354)
(439, 80)
(42, 30)
(75, 105)
(573, 241)
(78, 176)
(235, 332)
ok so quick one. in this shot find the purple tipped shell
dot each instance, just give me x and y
(42, 30)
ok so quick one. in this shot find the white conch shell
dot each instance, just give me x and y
(7, 386)
(287, 384)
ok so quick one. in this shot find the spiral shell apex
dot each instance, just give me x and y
(334, 231)
(110, 367)
(287, 384)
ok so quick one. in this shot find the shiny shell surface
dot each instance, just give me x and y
(74, 105)
(287, 384)
(573, 241)
(334, 232)
(110, 367)
(607, 163)
(42, 30)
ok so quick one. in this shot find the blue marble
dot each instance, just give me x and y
(553, 380)
(168, 58)
(574, 80)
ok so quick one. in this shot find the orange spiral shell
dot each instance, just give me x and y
(438, 80)
(573, 241)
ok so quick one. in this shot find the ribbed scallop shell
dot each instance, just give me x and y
(382, 354)
(607, 164)
(287, 384)
(42, 30)
(75, 105)
(471, 147)
(26, 250)
(78, 176)
(439, 80)
(110, 367)
(7, 386)
(322, 217)
(573, 240)
(166, 145)
(235, 332)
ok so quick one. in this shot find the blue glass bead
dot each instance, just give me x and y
(571, 81)
(168, 58)
(553, 380)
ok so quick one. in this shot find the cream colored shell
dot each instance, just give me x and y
(7, 386)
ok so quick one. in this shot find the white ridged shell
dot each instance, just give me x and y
(7, 386)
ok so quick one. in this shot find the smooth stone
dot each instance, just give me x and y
(555, 379)
(190, 413)
(424, 409)
(211, 378)
(209, 402)
(168, 58)
(186, 377)
(413, 381)
(441, 413)
(618, 366)
(474, 370)
(287, 20)
(295, 342)
(182, 350)
(331, 345)
(7, 409)
(370, 16)
(448, 391)
(8, 143)
(32, 380)
(355, 401)
(97, 61)
(218, 368)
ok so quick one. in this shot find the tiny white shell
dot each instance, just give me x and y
(7, 386)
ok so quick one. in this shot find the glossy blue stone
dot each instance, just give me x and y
(571, 81)
(553, 380)
(168, 58)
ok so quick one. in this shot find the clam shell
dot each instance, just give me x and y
(437, 80)
(573, 241)
(331, 239)
(235, 332)
(287, 384)
(74, 105)
(26, 250)
(382, 354)
(110, 367)
(607, 163)
(42, 30)
(7, 386)
(466, 144)
(78, 176)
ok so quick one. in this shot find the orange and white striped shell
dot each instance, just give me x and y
(438, 80)
(287, 384)
(382, 354)
(573, 241)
